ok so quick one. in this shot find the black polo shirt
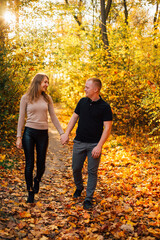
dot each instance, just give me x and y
(92, 114)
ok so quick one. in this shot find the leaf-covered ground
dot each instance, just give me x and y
(126, 201)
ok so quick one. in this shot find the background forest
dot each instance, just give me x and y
(71, 41)
(117, 41)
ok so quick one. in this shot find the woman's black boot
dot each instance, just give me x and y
(30, 197)
(36, 185)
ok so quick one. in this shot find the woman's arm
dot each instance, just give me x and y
(71, 124)
(21, 120)
(54, 118)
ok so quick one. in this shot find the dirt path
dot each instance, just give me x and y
(57, 179)
(56, 152)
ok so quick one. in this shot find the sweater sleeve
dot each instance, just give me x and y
(21, 119)
(54, 118)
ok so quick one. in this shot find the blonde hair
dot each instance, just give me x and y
(97, 82)
(33, 92)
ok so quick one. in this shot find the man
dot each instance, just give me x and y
(94, 127)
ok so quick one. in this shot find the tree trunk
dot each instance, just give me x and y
(108, 7)
(125, 11)
(2, 22)
(3, 30)
(104, 15)
(155, 22)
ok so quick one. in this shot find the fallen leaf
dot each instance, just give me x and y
(25, 214)
(127, 227)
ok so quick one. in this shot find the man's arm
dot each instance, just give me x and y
(106, 132)
(71, 124)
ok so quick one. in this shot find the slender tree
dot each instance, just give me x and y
(125, 11)
(155, 22)
(3, 30)
(104, 16)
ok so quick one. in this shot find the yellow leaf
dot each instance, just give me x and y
(72, 224)
(87, 220)
(2, 157)
(39, 204)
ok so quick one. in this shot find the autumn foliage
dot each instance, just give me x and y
(64, 40)
(72, 51)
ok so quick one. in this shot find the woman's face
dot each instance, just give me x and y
(44, 84)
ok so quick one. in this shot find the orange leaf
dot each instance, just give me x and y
(86, 215)
(39, 204)
(103, 201)
(25, 214)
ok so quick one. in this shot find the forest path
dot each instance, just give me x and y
(126, 200)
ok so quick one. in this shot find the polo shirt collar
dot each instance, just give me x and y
(95, 102)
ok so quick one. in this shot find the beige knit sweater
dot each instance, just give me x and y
(37, 115)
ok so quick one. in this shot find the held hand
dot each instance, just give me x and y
(96, 152)
(64, 139)
(19, 143)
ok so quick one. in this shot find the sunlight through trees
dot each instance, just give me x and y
(115, 41)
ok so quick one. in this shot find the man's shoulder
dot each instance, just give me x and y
(83, 100)
(104, 102)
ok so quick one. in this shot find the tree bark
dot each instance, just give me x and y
(125, 11)
(104, 15)
(108, 7)
(3, 33)
(155, 23)
(2, 22)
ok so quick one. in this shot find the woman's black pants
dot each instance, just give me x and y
(31, 138)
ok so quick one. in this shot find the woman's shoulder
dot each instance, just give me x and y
(24, 98)
(50, 98)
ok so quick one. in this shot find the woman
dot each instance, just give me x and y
(36, 104)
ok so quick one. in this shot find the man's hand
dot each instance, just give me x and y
(19, 142)
(96, 152)
(64, 138)
(71, 124)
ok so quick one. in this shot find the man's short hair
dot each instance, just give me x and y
(97, 82)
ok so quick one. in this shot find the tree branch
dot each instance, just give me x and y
(76, 17)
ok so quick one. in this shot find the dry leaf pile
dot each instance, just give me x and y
(126, 202)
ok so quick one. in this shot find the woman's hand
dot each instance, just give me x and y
(19, 142)
(64, 139)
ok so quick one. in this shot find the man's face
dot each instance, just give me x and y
(89, 89)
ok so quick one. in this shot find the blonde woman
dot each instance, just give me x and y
(36, 104)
